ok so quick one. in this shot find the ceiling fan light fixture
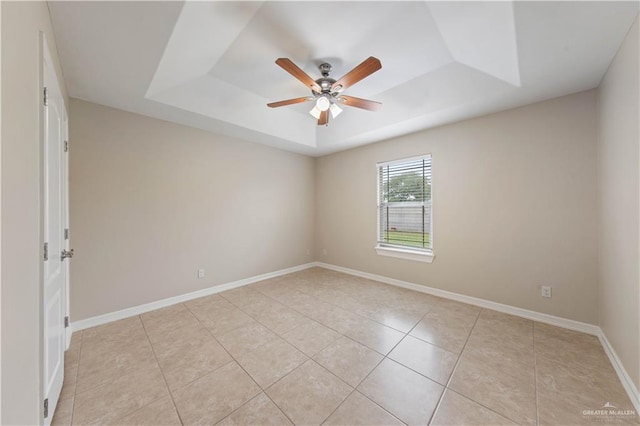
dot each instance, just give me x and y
(315, 112)
(335, 110)
(323, 103)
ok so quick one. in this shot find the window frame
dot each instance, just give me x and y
(419, 254)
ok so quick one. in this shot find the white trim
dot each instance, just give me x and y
(625, 379)
(67, 336)
(405, 253)
(402, 160)
(0, 211)
(507, 309)
(141, 309)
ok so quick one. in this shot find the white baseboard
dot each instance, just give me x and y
(141, 309)
(592, 329)
(625, 379)
(67, 337)
(507, 309)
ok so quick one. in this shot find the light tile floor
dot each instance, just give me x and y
(321, 347)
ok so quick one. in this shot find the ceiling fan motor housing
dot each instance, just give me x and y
(324, 82)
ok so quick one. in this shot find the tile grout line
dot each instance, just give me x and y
(233, 359)
(278, 407)
(323, 368)
(99, 385)
(354, 388)
(75, 382)
(331, 328)
(384, 356)
(429, 343)
(277, 301)
(455, 367)
(155, 356)
(142, 408)
(459, 355)
(320, 299)
(254, 349)
(366, 318)
(307, 317)
(365, 396)
(289, 307)
(274, 383)
(239, 365)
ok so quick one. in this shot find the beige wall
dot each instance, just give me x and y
(619, 188)
(514, 207)
(152, 202)
(21, 240)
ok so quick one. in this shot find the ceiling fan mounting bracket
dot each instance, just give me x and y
(325, 69)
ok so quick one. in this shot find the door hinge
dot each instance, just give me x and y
(66, 253)
(66, 322)
(46, 251)
(45, 97)
(66, 146)
(66, 233)
(46, 408)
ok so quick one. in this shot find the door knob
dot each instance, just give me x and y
(67, 253)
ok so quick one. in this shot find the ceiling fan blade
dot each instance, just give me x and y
(324, 118)
(364, 70)
(352, 101)
(289, 102)
(295, 71)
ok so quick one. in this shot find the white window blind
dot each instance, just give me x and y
(404, 203)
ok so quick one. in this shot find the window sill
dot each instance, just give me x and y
(406, 253)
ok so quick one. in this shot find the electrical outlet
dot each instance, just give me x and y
(200, 273)
(546, 291)
(324, 252)
(308, 252)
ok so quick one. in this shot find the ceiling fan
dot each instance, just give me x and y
(326, 92)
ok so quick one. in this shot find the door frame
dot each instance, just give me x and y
(0, 211)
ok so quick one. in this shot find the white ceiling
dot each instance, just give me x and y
(211, 65)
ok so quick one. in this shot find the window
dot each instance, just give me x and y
(404, 209)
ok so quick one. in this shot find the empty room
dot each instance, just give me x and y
(319, 213)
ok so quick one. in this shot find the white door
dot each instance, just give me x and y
(65, 222)
(54, 210)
